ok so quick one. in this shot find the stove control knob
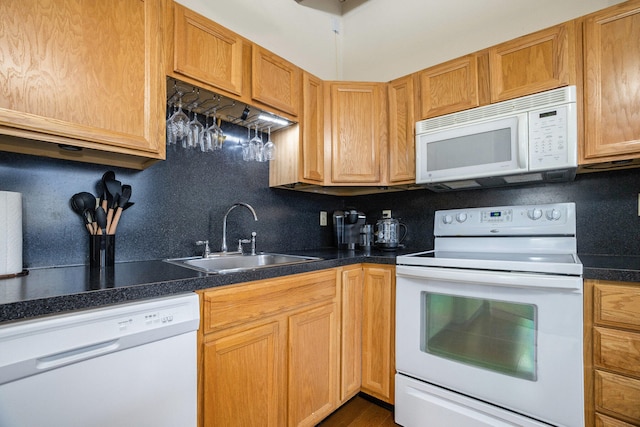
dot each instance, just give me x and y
(535, 214)
(553, 215)
(461, 217)
(447, 219)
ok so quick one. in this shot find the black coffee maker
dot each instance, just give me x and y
(346, 227)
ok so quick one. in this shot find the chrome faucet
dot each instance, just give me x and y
(224, 222)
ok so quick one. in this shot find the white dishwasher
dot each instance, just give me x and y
(132, 364)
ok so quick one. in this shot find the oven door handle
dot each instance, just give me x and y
(492, 278)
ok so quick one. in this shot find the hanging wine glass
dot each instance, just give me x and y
(194, 137)
(171, 139)
(211, 134)
(219, 136)
(179, 124)
(269, 149)
(256, 147)
(246, 147)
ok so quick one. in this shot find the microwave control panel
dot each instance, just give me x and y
(553, 137)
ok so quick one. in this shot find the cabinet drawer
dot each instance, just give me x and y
(604, 421)
(617, 350)
(232, 305)
(617, 394)
(617, 305)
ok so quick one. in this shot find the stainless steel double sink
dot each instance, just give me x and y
(224, 263)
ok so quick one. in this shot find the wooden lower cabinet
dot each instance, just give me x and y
(351, 327)
(289, 351)
(243, 376)
(378, 332)
(613, 353)
(312, 365)
(269, 351)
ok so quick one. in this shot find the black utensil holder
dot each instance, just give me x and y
(102, 250)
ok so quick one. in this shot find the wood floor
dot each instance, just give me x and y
(360, 412)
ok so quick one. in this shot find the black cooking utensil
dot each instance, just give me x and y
(107, 176)
(101, 219)
(123, 200)
(114, 190)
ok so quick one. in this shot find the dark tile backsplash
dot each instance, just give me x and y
(184, 198)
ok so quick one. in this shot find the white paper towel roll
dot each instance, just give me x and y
(10, 232)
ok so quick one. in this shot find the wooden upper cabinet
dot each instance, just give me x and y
(83, 73)
(611, 76)
(533, 63)
(402, 163)
(358, 132)
(448, 87)
(312, 129)
(275, 82)
(300, 155)
(206, 51)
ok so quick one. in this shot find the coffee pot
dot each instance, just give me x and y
(389, 233)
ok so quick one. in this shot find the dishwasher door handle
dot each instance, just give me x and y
(36, 365)
(77, 355)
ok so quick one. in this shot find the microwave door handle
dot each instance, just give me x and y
(523, 141)
(491, 278)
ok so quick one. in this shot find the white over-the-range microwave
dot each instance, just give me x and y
(524, 140)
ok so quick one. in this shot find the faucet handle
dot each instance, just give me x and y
(207, 251)
(240, 242)
(253, 242)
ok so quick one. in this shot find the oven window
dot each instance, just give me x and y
(494, 335)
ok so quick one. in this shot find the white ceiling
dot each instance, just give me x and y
(380, 40)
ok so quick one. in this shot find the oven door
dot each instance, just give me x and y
(511, 339)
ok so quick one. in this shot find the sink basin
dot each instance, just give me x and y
(233, 263)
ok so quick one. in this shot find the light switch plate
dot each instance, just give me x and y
(323, 218)
(386, 213)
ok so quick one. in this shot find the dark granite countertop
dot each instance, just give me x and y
(46, 291)
(621, 268)
(52, 290)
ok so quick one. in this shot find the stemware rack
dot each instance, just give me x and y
(202, 101)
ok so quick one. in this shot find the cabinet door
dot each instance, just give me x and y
(206, 51)
(241, 378)
(312, 128)
(351, 329)
(83, 73)
(612, 73)
(378, 332)
(402, 162)
(357, 131)
(313, 365)
(533, 63)
(275, 81)
(448, 87)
